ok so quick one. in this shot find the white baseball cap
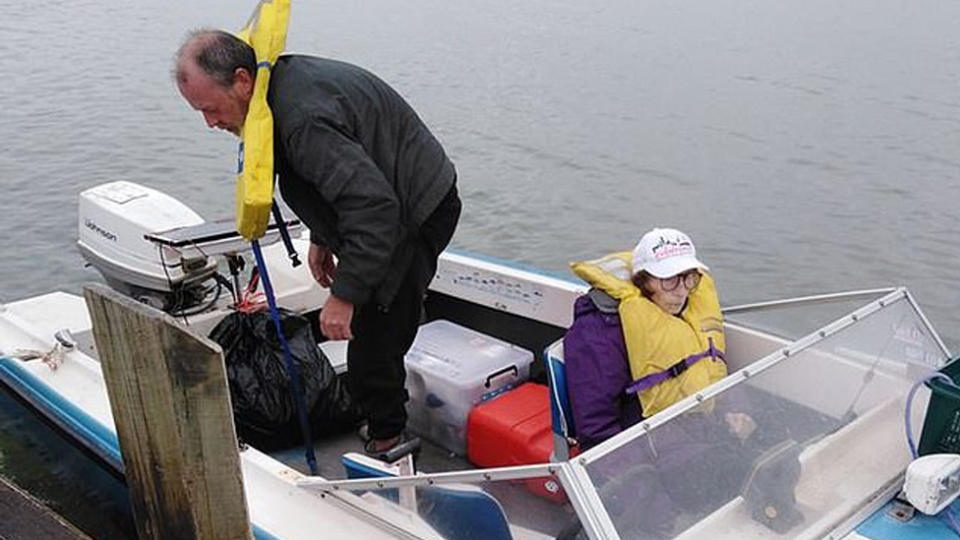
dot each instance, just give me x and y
(664, 253)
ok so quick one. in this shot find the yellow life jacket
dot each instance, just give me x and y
(657, 340)
(266, 32)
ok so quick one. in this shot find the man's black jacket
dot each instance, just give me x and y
(358, 167)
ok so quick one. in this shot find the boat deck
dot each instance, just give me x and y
(329, 450)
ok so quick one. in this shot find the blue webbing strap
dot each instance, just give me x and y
(295, 386)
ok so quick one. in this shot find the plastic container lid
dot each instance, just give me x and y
(453, 352)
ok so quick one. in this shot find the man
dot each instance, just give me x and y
(374, 186)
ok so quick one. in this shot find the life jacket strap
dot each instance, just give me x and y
(649, 381)
(285, 235)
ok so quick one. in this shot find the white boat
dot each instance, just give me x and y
(825, 377)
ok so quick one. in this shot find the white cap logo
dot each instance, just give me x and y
(664, 253)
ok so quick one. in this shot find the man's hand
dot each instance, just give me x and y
(335, 318)
(741, 425)
(321, 263)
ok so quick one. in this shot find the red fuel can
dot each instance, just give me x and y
(514, 429)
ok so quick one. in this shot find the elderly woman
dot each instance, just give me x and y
(649, 328)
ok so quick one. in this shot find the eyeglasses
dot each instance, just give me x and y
(690, 280)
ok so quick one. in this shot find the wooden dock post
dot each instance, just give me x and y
(171, 406)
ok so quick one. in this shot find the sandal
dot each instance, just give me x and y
(378, 447)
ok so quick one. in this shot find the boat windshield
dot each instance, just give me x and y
(792, 319)
(794, 446)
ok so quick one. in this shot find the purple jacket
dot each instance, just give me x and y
(597, 371)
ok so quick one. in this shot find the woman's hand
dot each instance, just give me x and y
(741, 425)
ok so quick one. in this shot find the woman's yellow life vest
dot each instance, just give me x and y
(657, 340)
(266, 32)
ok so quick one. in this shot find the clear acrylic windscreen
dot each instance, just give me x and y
(789, 452)
(534, 507)
(794, 320)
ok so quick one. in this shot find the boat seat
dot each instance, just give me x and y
(454, 510)
(561, 413)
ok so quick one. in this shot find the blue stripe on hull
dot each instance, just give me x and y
(77, 424)
(880, 526)
(517, 266)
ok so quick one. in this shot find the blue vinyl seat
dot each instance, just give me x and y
(461, 511)
(561, 414)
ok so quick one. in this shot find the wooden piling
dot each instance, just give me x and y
(171, 406)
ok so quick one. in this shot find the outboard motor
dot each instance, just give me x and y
(114, 220)
(154, 248)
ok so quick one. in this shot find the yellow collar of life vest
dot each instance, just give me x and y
(266, 32)
(657, 340)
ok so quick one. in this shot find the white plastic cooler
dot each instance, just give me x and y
(449, 370)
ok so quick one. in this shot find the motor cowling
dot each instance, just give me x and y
(114, 220)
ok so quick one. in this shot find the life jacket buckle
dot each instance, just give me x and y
(678, 368)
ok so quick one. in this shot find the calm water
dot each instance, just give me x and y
(807, 146)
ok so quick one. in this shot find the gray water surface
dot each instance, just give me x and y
(806, 145)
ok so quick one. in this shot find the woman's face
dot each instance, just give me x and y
(670, 294)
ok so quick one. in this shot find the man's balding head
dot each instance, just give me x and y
(217, 54)
(215, 73)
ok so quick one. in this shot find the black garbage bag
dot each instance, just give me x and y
(264, 409)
